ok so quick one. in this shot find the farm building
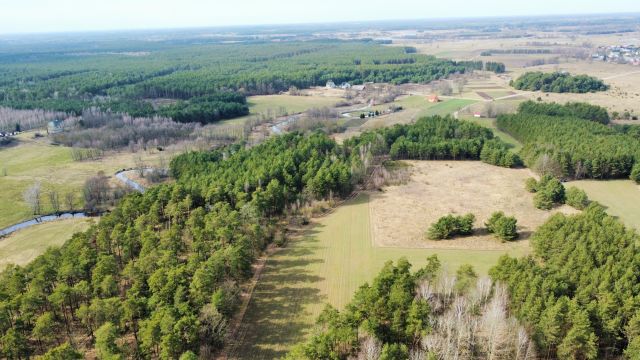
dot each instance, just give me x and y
(55, 126)
(331, 85)
(345, 85)
(433, 99)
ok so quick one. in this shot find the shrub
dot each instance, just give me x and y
(635, 173)
(451, 225)
(543, 201)
(531, 185)
(577, 198)
(394, 352)
(553, 187)
(504, 227)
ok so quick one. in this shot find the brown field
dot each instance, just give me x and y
(400, 215)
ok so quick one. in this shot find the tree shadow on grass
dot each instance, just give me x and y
(278, 313)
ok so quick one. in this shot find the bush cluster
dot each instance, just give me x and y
(577, 198)
(449, 226)
(549, 192)
(502, 226)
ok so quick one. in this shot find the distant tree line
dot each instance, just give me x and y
(558, 82)
(203, 77)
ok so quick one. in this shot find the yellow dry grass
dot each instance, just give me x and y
(400, 215)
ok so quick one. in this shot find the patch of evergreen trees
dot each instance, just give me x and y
(439, 138)
(163, 268)
(579, 291)
(558, 82)
(571, 147)
(571, 109)
(450, 226)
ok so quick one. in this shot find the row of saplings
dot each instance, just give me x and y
(549, 192)
(502, 226)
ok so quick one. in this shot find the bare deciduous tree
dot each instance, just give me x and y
(54, 200)
(70, 199)
(32, 197)
(370, 349)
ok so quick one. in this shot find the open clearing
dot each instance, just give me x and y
(279, 105)
(35, 160)
(337, 255)
(400, 215)
(491, 124)
(25, 245)
(621, 197)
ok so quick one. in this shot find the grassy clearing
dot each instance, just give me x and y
(446, 107)
(32, 161)
(278, 105)
(621, 197)
(25, 245)
(326, 266)
(491, 124)
(401, 214)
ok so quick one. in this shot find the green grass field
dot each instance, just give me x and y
(327, 266)
(278, 105)
(446, 107)
(491, 124)
(621, 197)
(32, 161)
(25, 245)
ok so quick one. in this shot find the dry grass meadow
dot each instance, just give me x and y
(400, 215)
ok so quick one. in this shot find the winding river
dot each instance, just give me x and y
(120, 175)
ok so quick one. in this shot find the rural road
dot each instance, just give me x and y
(122, 176)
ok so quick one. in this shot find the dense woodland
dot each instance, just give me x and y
(558, 82)
(571, 109)
(160, 273)
(579, 292)
(438, 138)
(571, 147)
(209, 80)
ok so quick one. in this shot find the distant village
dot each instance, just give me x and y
(624, 54)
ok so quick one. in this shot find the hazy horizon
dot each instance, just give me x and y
(39, 16)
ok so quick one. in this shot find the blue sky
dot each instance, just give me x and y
(18, 16)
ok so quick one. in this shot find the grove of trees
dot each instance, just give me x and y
(578, 292)
(572, 147)
(558, 82)
(439, 138)
(159, 275)
(425, 314)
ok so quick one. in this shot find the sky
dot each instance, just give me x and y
(36, 16)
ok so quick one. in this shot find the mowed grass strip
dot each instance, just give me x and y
(491, 124)
(23, 246)
(325, 266)
(446, 107)
(620, 197)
